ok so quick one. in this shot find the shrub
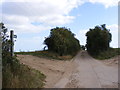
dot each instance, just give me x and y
(98, 39)
(62, 41)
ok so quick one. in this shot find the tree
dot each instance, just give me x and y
(98, 39)
(62, 41)
(6, 44)
(82, 47)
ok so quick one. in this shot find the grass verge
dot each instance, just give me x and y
(111, 52)
(47, 54)
(22, 77)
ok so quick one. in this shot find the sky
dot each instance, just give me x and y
(32, 20)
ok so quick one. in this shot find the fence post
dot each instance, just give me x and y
(12, 43)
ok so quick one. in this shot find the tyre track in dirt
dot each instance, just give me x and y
(90, 73)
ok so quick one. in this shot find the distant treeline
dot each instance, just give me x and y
(62, 41)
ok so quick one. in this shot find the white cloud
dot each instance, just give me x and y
(113, 27)
(71, 3)
(15, 19)
(45, 8)
(106, 3)
(27, 28)
(47, 12)
(22, 24)
(114, 31)
(51, 12)
(20, 14)
(55, 19)
(81, 36)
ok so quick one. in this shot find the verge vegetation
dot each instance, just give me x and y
(46, 54)
(16, 75)
(98, 40)
(111, 52)
(21, 76)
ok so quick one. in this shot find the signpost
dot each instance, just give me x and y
(12, 43)
(12, 36)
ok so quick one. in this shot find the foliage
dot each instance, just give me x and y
(6, 56)
(46, 54)
(111, 52)
(62, 41)
(23, 77)
(98, 39)
(82, 47)
(16, 75)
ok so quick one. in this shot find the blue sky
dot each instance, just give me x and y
(32, 20)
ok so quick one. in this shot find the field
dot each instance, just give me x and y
(46, 54)
(51, 55)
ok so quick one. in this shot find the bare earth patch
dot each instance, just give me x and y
(82, 71)
(53, 69)
(111, 62)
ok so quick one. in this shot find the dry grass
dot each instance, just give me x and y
(47, 54)
(22, 77)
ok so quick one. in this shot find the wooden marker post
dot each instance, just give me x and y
(12, 43)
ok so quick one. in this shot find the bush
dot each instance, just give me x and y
(62, 41)
(111, 52)
(98, 40)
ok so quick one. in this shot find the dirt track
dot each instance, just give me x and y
(81, 72)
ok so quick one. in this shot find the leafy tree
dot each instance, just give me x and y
(98, 39)
(5, 45)
(62, 41)
(82, 47)
(7, 59)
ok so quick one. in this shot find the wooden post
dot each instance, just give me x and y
(12, 43)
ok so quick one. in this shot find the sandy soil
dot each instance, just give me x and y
(111, 62)
(81, 72)
(53, 69)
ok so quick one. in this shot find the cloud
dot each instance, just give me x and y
(51, 12)
(44, 10)
(114, 31)
(106, 3)
(55, 19)
(22, 24)
(81, 36)
(22, 13)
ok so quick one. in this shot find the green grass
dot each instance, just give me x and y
(46, 54)
(22, 77)
(108, 54)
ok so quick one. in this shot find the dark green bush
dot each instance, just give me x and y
(111, 52)
(98, 40)
(62, 41)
